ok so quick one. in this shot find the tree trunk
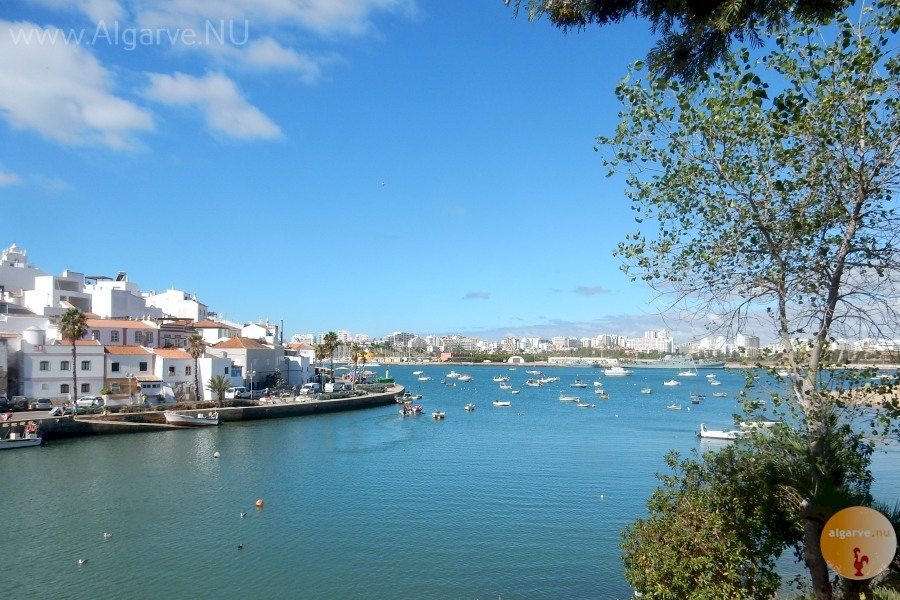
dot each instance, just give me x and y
(74, 376)
(812, 553)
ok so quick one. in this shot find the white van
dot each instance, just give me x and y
(310, 388)
(236, 392)
(89, 402)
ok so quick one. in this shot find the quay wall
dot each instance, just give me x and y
(51, 428)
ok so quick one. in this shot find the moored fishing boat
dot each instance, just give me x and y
(192, 420)
(25, 437)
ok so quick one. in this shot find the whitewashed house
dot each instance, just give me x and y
(46, 368)
(126, 368)
(175, 368)
(175, 303)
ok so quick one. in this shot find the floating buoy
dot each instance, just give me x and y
(259, 503)
(107, 535)
(216, 455)
(240, 546)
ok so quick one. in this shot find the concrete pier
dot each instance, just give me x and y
(51, 428)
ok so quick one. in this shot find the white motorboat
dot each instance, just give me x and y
(505, 386)
(715, 382)
(192, 420)
(586, 405)
(672, 382)
(674, 407)
(646, 391)
(616, 371)
(578, 383)
(452, 375)
(566, 398)
(502, 403)
(533, 383)
(718, 434)
(501, 378)
(687, 373)
(438, 414)
(465, 378)
(720, 394)
(544, 380)
(20, 439)
(417, 372)
(470, 407)
(425, 378)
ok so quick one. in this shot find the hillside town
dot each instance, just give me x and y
(136, 342)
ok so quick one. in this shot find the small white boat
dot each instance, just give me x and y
(470, 407)
(566, 398)
(21, 439)
(687, 374)
(425, 378)
(720, 394)
(674, 407)
(438, 414)
(578, 383)
(598, 384)
(409, 410)
(501, 378)
(616, 371)
(711, 376)
(417, 372)
(502, 403)
(533, 372)
(718, 434)
(505, 386)
(586, 405)
(452, 375)
(602, 395)
(544, 380)
(533, 383)
(715, 382)
(192, 420)
(465, 378)
(646, 391)
(672, 382)
(514, 392)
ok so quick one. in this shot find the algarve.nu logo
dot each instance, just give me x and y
(858, 542)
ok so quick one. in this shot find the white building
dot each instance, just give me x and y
(126, 367)
(176, 303)
(16, 274)
(46, 369)
(53, 295)
(174, 367)
(118, 297)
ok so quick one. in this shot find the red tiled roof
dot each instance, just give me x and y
(118, 323)
(208, 324)
(126, 350)
(171, 353)
(241, 342)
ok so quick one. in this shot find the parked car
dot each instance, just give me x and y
(89, 402)
(18, 403)
(4, 404)
(41, 404)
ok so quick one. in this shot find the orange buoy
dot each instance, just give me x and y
(259, 503)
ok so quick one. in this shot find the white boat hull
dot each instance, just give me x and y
(198, 420)
(21, 442)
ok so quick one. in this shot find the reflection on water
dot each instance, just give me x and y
(519, 502)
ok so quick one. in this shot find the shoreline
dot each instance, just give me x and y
(54, 428)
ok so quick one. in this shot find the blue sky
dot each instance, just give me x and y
(371, 165)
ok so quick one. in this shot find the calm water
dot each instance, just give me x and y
(519, 502)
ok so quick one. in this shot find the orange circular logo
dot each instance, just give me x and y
(858, 542)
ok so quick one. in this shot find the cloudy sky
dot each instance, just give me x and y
(371, 165)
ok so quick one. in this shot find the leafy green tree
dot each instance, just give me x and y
(693, 35)
(73, 327)
(196, 347)
(218, 385)
(779, 197)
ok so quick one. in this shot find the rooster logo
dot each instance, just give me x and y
(859, 562)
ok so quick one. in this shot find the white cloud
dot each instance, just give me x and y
(61, 91)
(320, 16)
(95, 10)
(7, 178)
(269, 54)
(218, 98)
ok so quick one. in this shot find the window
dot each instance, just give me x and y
(85, 388)
(187, 370)
(45, 387)
(114, 337)
(142, 367)
(171, 370)
(85, 365)
(114, 367)
(95, 334)
(114, 386)
(45, 365)
(148, 338)
(64, 388)
(227, 370)
(64, 365)
(137, 338)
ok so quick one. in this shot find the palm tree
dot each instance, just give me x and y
(72, 327)
(331, 343)
(218, 384)
(357, 353)
(196, 346)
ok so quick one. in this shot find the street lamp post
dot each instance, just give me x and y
(130, 376)
(251, 374)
